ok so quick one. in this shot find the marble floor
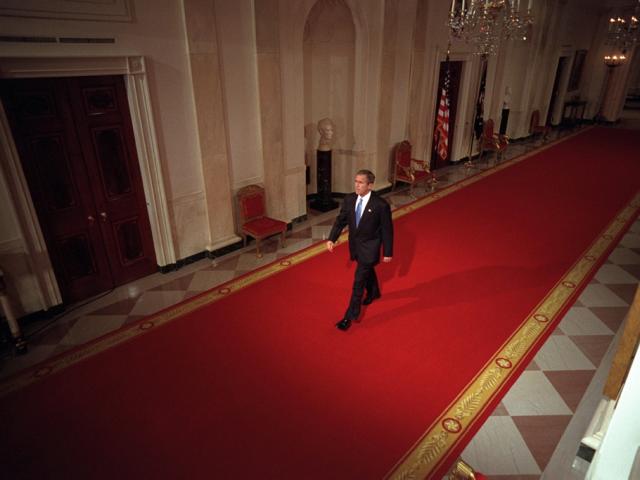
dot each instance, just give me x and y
(534, 432)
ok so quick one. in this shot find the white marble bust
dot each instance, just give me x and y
(327, 130)
(506, 102)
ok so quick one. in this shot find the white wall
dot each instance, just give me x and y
(621, 443)
(158, 34)
(14, 261)
(634, 80)
(236, 37)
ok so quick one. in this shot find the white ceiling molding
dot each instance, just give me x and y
(93, 10)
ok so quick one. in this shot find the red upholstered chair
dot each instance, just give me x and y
(409, 170)
(538, 130)
(492, 142)
(253, 220)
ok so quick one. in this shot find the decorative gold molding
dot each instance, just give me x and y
(462, 471)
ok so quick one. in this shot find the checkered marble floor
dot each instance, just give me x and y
(525, 432)
(528, 436)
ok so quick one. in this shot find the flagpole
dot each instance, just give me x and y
(441, 134)
(483, 61)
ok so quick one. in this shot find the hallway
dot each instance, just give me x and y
(535, 431)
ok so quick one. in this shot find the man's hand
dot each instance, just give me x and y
(330, 245)
(386, 259)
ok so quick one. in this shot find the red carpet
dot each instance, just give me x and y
(260, 384)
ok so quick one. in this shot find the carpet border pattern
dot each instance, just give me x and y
(446, 431)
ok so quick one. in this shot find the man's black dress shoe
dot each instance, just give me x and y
(344, 324)
(370, 298)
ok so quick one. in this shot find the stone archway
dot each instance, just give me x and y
(367, 17)
(329, 59)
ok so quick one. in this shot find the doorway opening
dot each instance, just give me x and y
(555, 92)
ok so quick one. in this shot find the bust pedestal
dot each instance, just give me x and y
(504, 120)
(323, 201)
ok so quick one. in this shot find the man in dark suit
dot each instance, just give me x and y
(370, 227)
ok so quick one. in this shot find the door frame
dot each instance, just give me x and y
(132, 68)
(466, 103)
(556, 109)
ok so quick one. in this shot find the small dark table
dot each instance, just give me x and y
(573, 113)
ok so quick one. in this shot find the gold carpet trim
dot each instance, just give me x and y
(65, 360)
(446, 431)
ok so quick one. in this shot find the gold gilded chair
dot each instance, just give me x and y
(409, 170)
(253, 219)
(492, 142)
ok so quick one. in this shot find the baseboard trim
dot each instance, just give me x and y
(219, 252)
(42, 314)
(294, 221)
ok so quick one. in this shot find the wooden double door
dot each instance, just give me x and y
(75, 141)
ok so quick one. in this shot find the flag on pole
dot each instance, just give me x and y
(479, 121)
(441, 134)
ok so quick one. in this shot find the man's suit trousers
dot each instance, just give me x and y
(364, 278)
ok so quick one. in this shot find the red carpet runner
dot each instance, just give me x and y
(254, 380)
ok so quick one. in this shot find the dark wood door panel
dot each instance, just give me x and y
(113, 164)
(81, 268)
(51, 156)
(50, 164)
(129, 236)
(102, 118)
(76, 144)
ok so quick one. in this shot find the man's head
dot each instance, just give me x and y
(364, 182)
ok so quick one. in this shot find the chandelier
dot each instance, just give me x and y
(614, 60)
(485, 23)
(623, 33)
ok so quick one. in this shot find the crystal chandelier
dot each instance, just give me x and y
(485, 23)
(623, 33)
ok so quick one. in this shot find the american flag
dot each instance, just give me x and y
(441, 134)
(478, 126)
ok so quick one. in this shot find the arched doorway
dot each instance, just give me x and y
(329, 45)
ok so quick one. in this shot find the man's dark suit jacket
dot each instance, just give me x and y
(375, 229)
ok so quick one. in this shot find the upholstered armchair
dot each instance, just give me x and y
(409, 170)
(253, 220)
(492, 142)
(537, 130)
